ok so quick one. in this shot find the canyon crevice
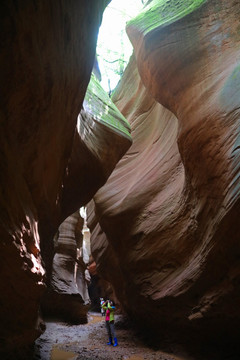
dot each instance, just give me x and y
(163, 202)
(165, 226)
(48, 169)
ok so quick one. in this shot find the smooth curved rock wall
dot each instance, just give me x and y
(67, 296)
(167, 235)
(47, 55)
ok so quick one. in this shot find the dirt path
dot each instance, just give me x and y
(88, 342)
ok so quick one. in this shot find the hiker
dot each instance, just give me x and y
(101, 303)
(109, 308)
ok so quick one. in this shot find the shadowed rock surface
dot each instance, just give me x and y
(47, 55)
(165, 226)
(67, 297)
(167, 235)
(101, 138)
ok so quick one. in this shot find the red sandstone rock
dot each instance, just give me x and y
(47, 54)
(67, 296)
(168, 231)
(92, 268)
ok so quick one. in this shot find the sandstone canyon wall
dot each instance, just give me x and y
(66, 297)
(47, 54)
(165, 228)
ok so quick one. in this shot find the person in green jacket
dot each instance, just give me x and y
(109, 318)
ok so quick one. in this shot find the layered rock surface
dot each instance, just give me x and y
(47, 54)
(67, 295)
(165, 228)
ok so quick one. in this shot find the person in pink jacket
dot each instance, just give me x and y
(109, 318)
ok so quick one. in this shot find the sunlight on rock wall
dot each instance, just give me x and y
(166, 222)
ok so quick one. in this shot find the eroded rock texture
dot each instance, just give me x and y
(98, 287)
(101, 138)
(167, 235)
(47, 54)
(67, 295)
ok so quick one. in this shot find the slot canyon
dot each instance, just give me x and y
(157, 167)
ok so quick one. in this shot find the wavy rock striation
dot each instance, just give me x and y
(165, 231)
(47, 54)
(67, 295)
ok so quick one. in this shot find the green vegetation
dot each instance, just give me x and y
(164, 12)
(114, 47)
(102, 109)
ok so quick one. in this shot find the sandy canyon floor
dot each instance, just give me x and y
(89, 342)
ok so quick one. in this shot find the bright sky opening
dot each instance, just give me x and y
(114, 48)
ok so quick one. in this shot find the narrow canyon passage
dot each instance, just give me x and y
(89, 342)
(62, 341)
(154, 163)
